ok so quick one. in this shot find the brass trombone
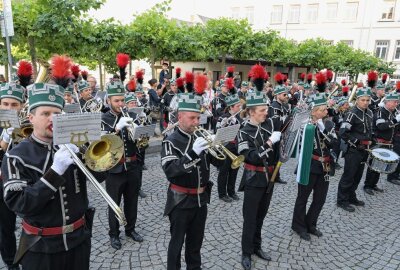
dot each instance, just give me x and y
(219, 151)
(100, 156)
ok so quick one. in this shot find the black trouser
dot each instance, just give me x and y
(302, 221)
(371, 178)
(396, 148)
(76, 258)
(8, 242)
(354, 162)
(227, 179)
(255, 207)
(124, 184)
(186, 223)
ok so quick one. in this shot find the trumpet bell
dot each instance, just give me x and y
(104, 154)
(237, 162)
(21, 133)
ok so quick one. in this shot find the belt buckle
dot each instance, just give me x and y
(68, 228)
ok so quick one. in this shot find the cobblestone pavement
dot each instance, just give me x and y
(369, 238)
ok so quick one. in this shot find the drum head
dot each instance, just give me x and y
(384, 154)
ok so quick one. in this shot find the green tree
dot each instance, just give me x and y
(315, 53)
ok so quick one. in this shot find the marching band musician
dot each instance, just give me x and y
(48, 191)
(123, 179)
(279, 111)
(342, 108)
(166, 99)
(356, 131)
(11, 95)
(186, 165)
(218, 103)
(227, 175)
(85, 92)
(69, 91)
(256, 141)
(304, 222)
(385, 122)
(376, 94)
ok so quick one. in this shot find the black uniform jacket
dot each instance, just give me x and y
(42, 197)
(184, 168)
(108, 122)
(253, 145)
(385, 124)
(357, 126)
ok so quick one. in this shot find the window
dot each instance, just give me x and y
(397, 51)
(382, 47)
(348, 42)
(249, 14)
(388, 10)
(294, 14)
(235, 13)
(331, 11)
(350, 11)
(312, 13)
(276, 14)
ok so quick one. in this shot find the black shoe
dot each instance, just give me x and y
(346, 207)
(144, 168)
(304, 235)
(235, 197)
(226, 199)
(378, 189)
(280, 181)
(315, 232)
(262, 254)
(369, 191)
(142, 194)
(357, 202)
(115, 242)
(135, 236)
(246, 262)
(13, 267)
(394, 181)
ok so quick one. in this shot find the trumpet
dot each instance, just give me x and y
(131, 128)
(170, 128)
(92, 105)
(232, 116)
(218, 151)
(100, 156)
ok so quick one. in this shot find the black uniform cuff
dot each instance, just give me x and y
(54, 178)
(192, 155)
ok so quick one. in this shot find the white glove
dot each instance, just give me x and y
(381, 104)
(123, 122)
(275, 137)
(397, 119)
(321, 125)
(62, 158)
(199, 145)
(6, 135)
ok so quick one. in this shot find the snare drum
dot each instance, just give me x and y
(383, 160)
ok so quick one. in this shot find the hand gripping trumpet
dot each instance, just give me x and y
(219, 151)
(132, 127)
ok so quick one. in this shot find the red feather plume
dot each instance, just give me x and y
(343, 82)
(384, 77)
(84, 74)
(200, 84)
(24, 69)
(372, 78)
(266, 77)
(139, 76)
(180, 82)
(302, 76)
(178, 72)
(229, 83)
(345, 90)
(257, 72)
(320, 79)
(231, 69)
(309, 77)
(61, 69)
(75, 70)
(329, 74)
(132, 85)
(122, 60)
(398, 85)
(189, 77)
(279, 77)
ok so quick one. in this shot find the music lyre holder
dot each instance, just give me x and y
(79, 142)
(5, 124)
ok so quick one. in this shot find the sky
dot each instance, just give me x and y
(123, 10)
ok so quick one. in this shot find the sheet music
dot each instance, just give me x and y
(203, 119)
(226, 134)
(144, 131)
(72, 108)
(300, 120)
(76, 128)
(9, 118)
(137, 110)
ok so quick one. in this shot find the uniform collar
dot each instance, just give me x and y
(184, 133)
(40, 142)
